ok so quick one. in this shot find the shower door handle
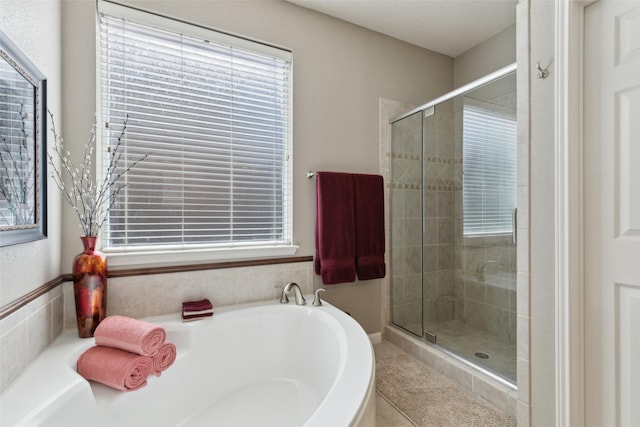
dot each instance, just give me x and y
(514, 224)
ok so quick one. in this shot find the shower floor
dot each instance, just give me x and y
(465, 341)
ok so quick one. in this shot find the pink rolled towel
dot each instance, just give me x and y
(116, 368)
(164, 358)
(129, 334)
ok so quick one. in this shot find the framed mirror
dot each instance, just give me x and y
(22, 147)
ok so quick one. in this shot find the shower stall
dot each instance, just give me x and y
(453, 231)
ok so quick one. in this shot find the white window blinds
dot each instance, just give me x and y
(214, 116)
(489, 170)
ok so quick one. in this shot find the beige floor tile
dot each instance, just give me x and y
(411, 394)
(388, 416)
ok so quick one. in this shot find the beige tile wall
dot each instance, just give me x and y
(153, 295)
(439, 164)
(25, 333)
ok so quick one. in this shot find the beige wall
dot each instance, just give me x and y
(340, 72)
(486, 57)
(34, 27)
(26, 266)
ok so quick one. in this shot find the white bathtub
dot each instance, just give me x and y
(267, 364)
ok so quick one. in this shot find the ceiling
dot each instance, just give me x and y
(450, 27)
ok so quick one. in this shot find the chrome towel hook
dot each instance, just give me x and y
(542, 73)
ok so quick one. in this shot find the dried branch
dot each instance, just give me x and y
(17, 185)
(89, 198)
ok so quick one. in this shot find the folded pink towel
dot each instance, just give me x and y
(116, 368)
(129, 334)
(164, 358)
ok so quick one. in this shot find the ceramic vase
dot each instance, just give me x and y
(90, 287)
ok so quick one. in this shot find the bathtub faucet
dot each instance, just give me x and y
(298, 294)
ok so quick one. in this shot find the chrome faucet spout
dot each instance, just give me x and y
(297, 293)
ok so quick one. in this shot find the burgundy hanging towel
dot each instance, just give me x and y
(335, 235)
(368, 193)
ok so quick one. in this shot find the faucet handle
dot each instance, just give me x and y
(316, 297)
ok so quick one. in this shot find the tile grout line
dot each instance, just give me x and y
(379, 393)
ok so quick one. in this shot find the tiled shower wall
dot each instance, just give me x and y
(439, 164)
(485, 285)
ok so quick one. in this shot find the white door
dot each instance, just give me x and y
(612, 213)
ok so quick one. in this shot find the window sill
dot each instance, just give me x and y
(138, 259)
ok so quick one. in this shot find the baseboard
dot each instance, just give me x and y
(375, 337)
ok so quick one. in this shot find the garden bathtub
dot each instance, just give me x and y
(263, 364)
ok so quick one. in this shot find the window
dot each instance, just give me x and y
(213, 111)
(489, 169)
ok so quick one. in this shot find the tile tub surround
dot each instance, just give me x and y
(157, 294)
(501, 395)
(27, 332)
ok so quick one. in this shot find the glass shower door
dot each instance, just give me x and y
(406, 223)
(453, 199)
(441, 164)
(470, 173)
